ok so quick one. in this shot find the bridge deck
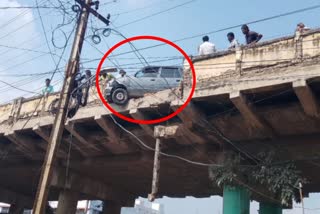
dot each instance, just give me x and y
(254, 106)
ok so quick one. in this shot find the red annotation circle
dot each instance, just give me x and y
(154, 121)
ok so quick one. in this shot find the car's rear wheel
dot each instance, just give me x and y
(120, 96)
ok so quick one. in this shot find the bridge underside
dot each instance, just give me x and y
(101, 161)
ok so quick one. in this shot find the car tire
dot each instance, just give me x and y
(120, 96)
(73, 107)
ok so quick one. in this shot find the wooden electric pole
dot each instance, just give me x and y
(58, 126)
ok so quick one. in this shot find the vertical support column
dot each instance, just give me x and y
(239, 54)
(236, 200)
(156, 169)
(111, 207)
(268, 208)
(67, 202)
(15, 109)
(16, 209)
(298, 46)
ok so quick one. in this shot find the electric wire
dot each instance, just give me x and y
(155, 14)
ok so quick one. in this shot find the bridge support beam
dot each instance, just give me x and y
(68, 201)
(307, 98)
(236, 200)
(268, 208)
(250, 114)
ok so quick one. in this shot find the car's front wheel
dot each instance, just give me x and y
(109, 99)
(120, 96)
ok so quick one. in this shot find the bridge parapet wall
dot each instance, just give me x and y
(240, 62)
(264, 57)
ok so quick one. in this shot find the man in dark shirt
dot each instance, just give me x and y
(251, 36)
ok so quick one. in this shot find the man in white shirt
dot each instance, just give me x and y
(206, 47)
(233, 42)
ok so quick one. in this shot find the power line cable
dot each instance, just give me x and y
(229, 28)
(154, 14)
(29, 7)
(24, 12)
(32, 92)
(22, 26)
(45, 36)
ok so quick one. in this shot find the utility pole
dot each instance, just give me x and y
(58, 126)
(160, 132)
(156, 170)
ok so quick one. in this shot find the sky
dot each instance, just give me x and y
(22, 29)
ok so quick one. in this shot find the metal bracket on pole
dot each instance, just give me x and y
(95, 13)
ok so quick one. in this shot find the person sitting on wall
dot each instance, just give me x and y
(48, 89)
(206, 47)
(233, 42)
(250, 36)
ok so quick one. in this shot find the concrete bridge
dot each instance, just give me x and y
(252, 98)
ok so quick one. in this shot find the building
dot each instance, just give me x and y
(84, 207)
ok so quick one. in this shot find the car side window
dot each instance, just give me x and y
(170, 73)
(139, 74)
(151, 72)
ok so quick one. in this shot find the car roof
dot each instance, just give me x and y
(162, 66)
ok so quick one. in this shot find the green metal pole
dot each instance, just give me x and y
(268, 208)
(236, 200)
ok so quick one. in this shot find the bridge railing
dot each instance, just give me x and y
(238, 62)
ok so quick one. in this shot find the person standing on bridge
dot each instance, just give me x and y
(206, 47)
(250, 36)
(48, 88)
(233, 42)
(301, 28)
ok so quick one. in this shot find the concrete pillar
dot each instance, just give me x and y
(111, 207)
(236, 200)
(67, 202)
(16, 209)
(268, 208)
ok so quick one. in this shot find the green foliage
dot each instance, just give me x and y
(229, 173)
(280, 179)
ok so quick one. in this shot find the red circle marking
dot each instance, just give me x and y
(155, 120)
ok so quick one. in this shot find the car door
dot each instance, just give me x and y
(170, 77)
(144, 81)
